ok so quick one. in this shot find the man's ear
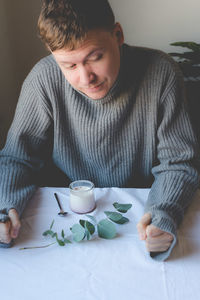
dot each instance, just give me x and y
(118, 31)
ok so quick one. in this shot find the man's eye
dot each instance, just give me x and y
(71, 67)
(97, 57)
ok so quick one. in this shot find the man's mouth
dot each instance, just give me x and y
(94, 88)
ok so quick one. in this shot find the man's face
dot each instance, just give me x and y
(93, 67)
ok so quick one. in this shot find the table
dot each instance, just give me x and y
(98, 269)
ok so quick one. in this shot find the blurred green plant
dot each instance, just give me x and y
(189, 61)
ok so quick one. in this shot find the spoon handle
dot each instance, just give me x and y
(58, 201)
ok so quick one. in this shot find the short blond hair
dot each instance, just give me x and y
(65, 23)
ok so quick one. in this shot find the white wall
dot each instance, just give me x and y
(157, 23)
(151, 23)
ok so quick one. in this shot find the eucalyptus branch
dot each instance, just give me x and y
(85, 229)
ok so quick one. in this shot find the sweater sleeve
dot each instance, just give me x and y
(176, 176)
(25, 149)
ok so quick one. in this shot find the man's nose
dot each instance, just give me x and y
(87, 76)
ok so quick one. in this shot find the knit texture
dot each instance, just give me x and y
(138, 135)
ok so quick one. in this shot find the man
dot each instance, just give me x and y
(103, 111)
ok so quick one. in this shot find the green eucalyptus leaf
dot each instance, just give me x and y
(93, 219)
(113, 216)
(106, 229)
(116, 217)
(78, 232)
(123, 208)
(51, 224)
(48, 232)
(45, 233)
(66, 241)
(88, 226)
(60, 242)
(82, 222)
(123, 220)
(62, 234)
(88, 235)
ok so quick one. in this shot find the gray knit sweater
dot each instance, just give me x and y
(138, 135)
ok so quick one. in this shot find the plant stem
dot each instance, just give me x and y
(26, 248)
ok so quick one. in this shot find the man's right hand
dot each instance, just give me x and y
(10, 229)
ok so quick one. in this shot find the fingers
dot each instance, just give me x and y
(5, 232)
(158, 245)
(142, 225)
(15, 223)
(157, 240)
(10, 229)
(153, 231)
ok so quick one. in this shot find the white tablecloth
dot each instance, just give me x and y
(98, 269)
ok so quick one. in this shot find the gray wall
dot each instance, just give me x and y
(20, 48)
(151, 23)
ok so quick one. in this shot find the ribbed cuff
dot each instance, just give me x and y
(165, 225)
(4, 217)
(4, 213)
(164, 222)
(4, 245)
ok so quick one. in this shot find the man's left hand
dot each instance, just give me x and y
(156, 239)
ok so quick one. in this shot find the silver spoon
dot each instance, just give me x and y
(62, 212)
